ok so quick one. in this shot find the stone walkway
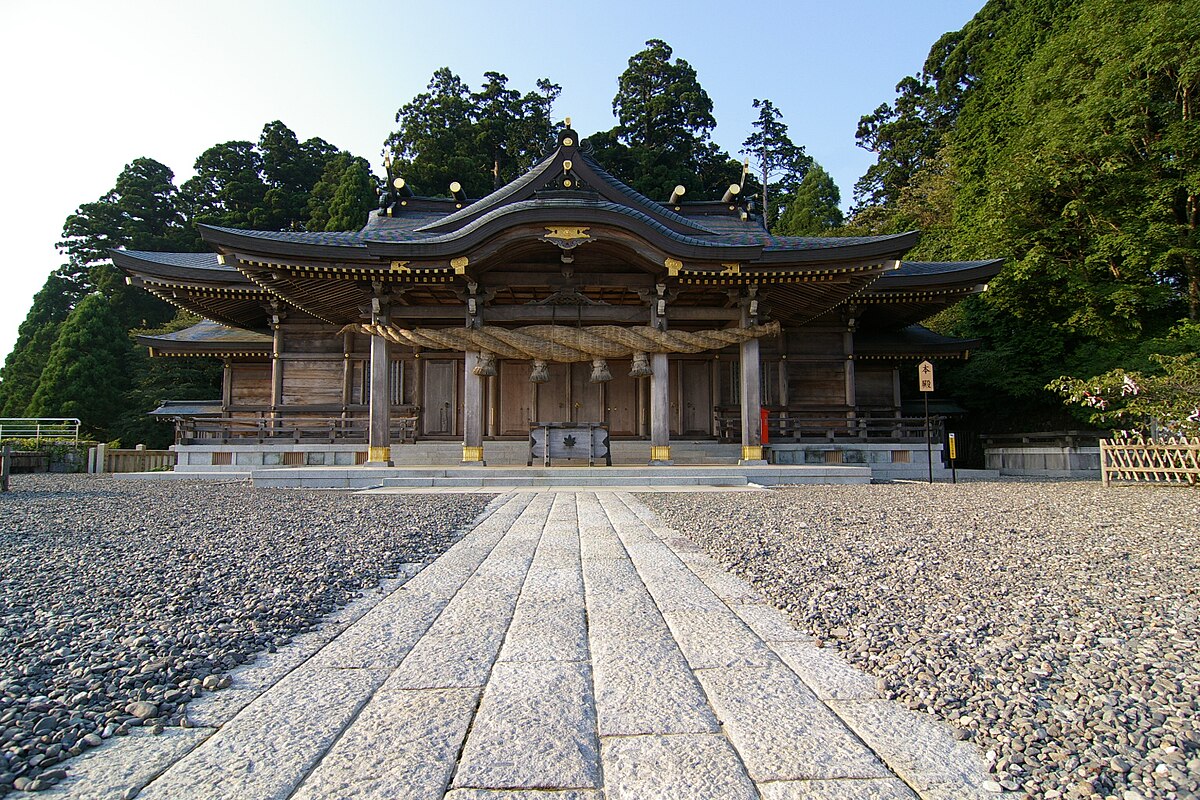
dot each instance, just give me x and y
(570, 647)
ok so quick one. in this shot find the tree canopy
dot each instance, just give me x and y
(1062, 136)
(480, 139)
(780, 164)
(663, 134)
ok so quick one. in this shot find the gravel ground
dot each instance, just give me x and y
(1055, 624)
(122, 600)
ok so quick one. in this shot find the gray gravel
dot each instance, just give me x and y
(1055, 624)
(120, 601)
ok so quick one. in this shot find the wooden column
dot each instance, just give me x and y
(379, 438)
(660, 395)
(226, 384)
(751, 388)
(472, 411)
(473, 420)
(276, 364)
(347, 371)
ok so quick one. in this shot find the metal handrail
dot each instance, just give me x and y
(38, 428)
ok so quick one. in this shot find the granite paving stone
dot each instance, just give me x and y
(267, 749)
(569, 647)
(403, 744)
(922, 750)
(869, 789)
(781, 729)
(827, 675)
(536, 727)
(686, 767)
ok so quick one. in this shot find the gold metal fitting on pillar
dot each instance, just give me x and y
(472, 455)
(379, 454)
(752, 452)
(660, 452)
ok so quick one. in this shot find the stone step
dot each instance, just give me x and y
(612, 479)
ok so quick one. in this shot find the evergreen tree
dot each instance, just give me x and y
(353, 198)
(152, 381)
(355, 212)
(779, 162)
(228, 189)
(662, 138)
(23, 366)
(480, 139)
(86, 373)
(660, 105)
(813, 209)
(290, 169)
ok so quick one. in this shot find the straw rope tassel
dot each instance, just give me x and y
(562, 344)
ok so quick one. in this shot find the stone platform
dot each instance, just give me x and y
(569, 647)
(503, 478)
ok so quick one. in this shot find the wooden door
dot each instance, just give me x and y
(695, 400)
(553, 396)
(586, 405)
(621, 401)
(516, 398)
(440, 410)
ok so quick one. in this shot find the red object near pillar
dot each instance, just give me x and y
(765, 436)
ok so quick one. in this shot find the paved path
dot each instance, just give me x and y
(570, 647)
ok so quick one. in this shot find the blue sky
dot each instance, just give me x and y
(90, 86)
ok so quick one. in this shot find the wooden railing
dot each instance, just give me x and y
(1150, 460)
(38, 428)
(798, 427)
(257, 430)
(103, 459)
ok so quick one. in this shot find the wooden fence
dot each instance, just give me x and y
(104, 459)
(1150, 460)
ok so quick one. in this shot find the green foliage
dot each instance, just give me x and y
(781, 164)
(1162, 402)
(660, 105)
(662, 139)
(813, 209)
(353, 198)
(267, 186)
(87, 369)
(23, 366)
(481, 139)
(152, 381)
(1062, 136)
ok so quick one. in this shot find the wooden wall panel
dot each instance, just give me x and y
(816, 384)
(251, 384)
(812, 343)
(873, 386)
(311, 339)
(312, 382)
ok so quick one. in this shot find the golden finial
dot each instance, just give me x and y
(568, 122)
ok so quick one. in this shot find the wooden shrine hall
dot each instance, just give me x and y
(564, 297)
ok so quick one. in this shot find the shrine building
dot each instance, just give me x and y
(563, 298)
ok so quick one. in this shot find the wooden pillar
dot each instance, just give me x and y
(276, 365)
(472, 412)
(751, 389)
(379, 437)
(660, 394)
(473, 385)
(848, 348)
(347, 371)
(226, 384)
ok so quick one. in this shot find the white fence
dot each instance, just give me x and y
(39, 428)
